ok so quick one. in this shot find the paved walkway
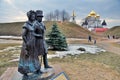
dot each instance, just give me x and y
(106, 44)
(8, 74)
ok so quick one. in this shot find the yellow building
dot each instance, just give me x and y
(92, 20)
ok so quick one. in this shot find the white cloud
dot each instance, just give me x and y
(9, 1)
(15, 10)
(113, 20)
(10, 12)
(20, 18)
(14, 19)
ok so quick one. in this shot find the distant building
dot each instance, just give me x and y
(92, 21)
(73, 17)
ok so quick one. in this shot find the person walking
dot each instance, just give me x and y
(89, 38)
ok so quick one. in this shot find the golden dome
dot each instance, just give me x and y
(92, 13)
(98, 15)
(89, 15)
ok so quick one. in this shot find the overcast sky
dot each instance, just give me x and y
(15, 10)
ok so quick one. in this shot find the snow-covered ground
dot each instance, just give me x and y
(73, 50)
(20, 37)
(10, 37)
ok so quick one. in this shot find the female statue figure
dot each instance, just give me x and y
(29, 61)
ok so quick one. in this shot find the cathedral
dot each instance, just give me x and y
(92, 21)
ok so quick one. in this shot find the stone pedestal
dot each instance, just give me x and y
(46, 75)
(13, 74)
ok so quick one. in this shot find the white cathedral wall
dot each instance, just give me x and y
(93, 22)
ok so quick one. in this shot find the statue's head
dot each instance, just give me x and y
(31, 15)
(39, 15)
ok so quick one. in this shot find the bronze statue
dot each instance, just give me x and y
(40, 42)
(29, 60)
(33, 45)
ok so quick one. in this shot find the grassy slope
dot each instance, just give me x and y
(67, 28)
(11, 28)
(73, 30)
(114, 31)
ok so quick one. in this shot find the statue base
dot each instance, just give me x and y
(47, 74)
(13, 74)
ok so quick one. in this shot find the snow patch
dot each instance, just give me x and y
(73, 50)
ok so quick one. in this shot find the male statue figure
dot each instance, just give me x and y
(40, 42)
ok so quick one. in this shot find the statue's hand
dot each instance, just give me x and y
(26, 51)
(26, 48)
(40, 37)
(27, 54)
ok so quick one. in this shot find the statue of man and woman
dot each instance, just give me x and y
(33, 45)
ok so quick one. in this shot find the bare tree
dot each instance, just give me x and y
(49, 16)
(65, 16)
(52, 16)
(57, 14)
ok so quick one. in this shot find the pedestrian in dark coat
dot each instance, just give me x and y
(89, 38)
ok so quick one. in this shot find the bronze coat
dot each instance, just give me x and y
(40, 43)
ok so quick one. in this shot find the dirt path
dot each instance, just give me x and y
(106, 44)
(101, 42)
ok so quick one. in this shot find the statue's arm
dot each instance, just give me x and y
(37, 35)
(24, 32)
